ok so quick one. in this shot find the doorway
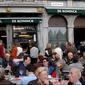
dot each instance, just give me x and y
(79, 35)
(3, 36)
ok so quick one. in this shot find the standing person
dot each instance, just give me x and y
(34, 54)
(74, 76)
(28, 48)
(59, 52)
(21, 64)
(3, 81)
(13, 52)
(41, 74)
(30, 75)
(1, 52)
(48, 51)
(19, 49)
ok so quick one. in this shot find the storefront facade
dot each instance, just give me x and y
(40, 22)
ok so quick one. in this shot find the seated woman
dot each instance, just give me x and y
(54, 59)
(6, 61)
(41, 74)
(3, 81)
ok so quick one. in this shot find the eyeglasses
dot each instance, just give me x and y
(44, 75)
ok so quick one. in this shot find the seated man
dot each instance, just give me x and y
(69, 58)
(74, 76)
(3, 81)
(82, 59)
(39, 61)
(49, 68)
(60, 67)
(30, 75)
(21, 64)
(76, 63)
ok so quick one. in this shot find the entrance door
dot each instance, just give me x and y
(79, 34)
(3, 36)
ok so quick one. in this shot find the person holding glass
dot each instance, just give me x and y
(41, 74)
(21, 65)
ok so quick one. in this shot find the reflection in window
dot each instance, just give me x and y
(24, 34)
(57, 35)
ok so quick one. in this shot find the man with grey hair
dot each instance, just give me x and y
(3, 81)
(74, 76)
(61, 66)
(69, 58)
(1, 52)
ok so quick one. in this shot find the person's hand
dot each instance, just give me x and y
(46, 82)
(8, 51)
(58, 64)
(22, 59)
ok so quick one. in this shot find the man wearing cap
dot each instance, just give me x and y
(73, 45)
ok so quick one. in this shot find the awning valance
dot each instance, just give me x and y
(20, 20)
(65, 10)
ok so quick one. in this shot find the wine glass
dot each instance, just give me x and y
(21, 72)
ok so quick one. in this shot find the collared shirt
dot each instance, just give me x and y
(26, 80)
(77, 83)
(16, 63)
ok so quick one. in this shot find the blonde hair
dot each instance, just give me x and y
(54, 46)
(2, 72)
(7, 54)
(48, 45)
(39, 70)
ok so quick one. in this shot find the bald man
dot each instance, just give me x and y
(74, 76)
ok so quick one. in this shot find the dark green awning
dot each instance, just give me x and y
(51, 10)
(20, 20)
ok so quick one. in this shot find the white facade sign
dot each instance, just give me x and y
(56, 4)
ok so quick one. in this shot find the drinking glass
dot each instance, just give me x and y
(21, 72)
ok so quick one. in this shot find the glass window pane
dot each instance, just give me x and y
(24, 34)
(57, 35)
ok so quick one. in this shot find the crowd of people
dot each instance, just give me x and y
(36, 66)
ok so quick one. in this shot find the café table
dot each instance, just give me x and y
(15, 80)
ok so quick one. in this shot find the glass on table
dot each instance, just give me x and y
(57, 76)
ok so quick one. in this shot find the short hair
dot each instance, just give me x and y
(39, 70)
(1, 41)
(75, 58)
(69, 53)
(62, 61)
(46, 59)
(20, 56)
(7, 54)
(78, 72)
(25, 57)
(30, 68)
(40, 58)
(2, 72)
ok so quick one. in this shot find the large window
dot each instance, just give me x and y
(24, 34)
